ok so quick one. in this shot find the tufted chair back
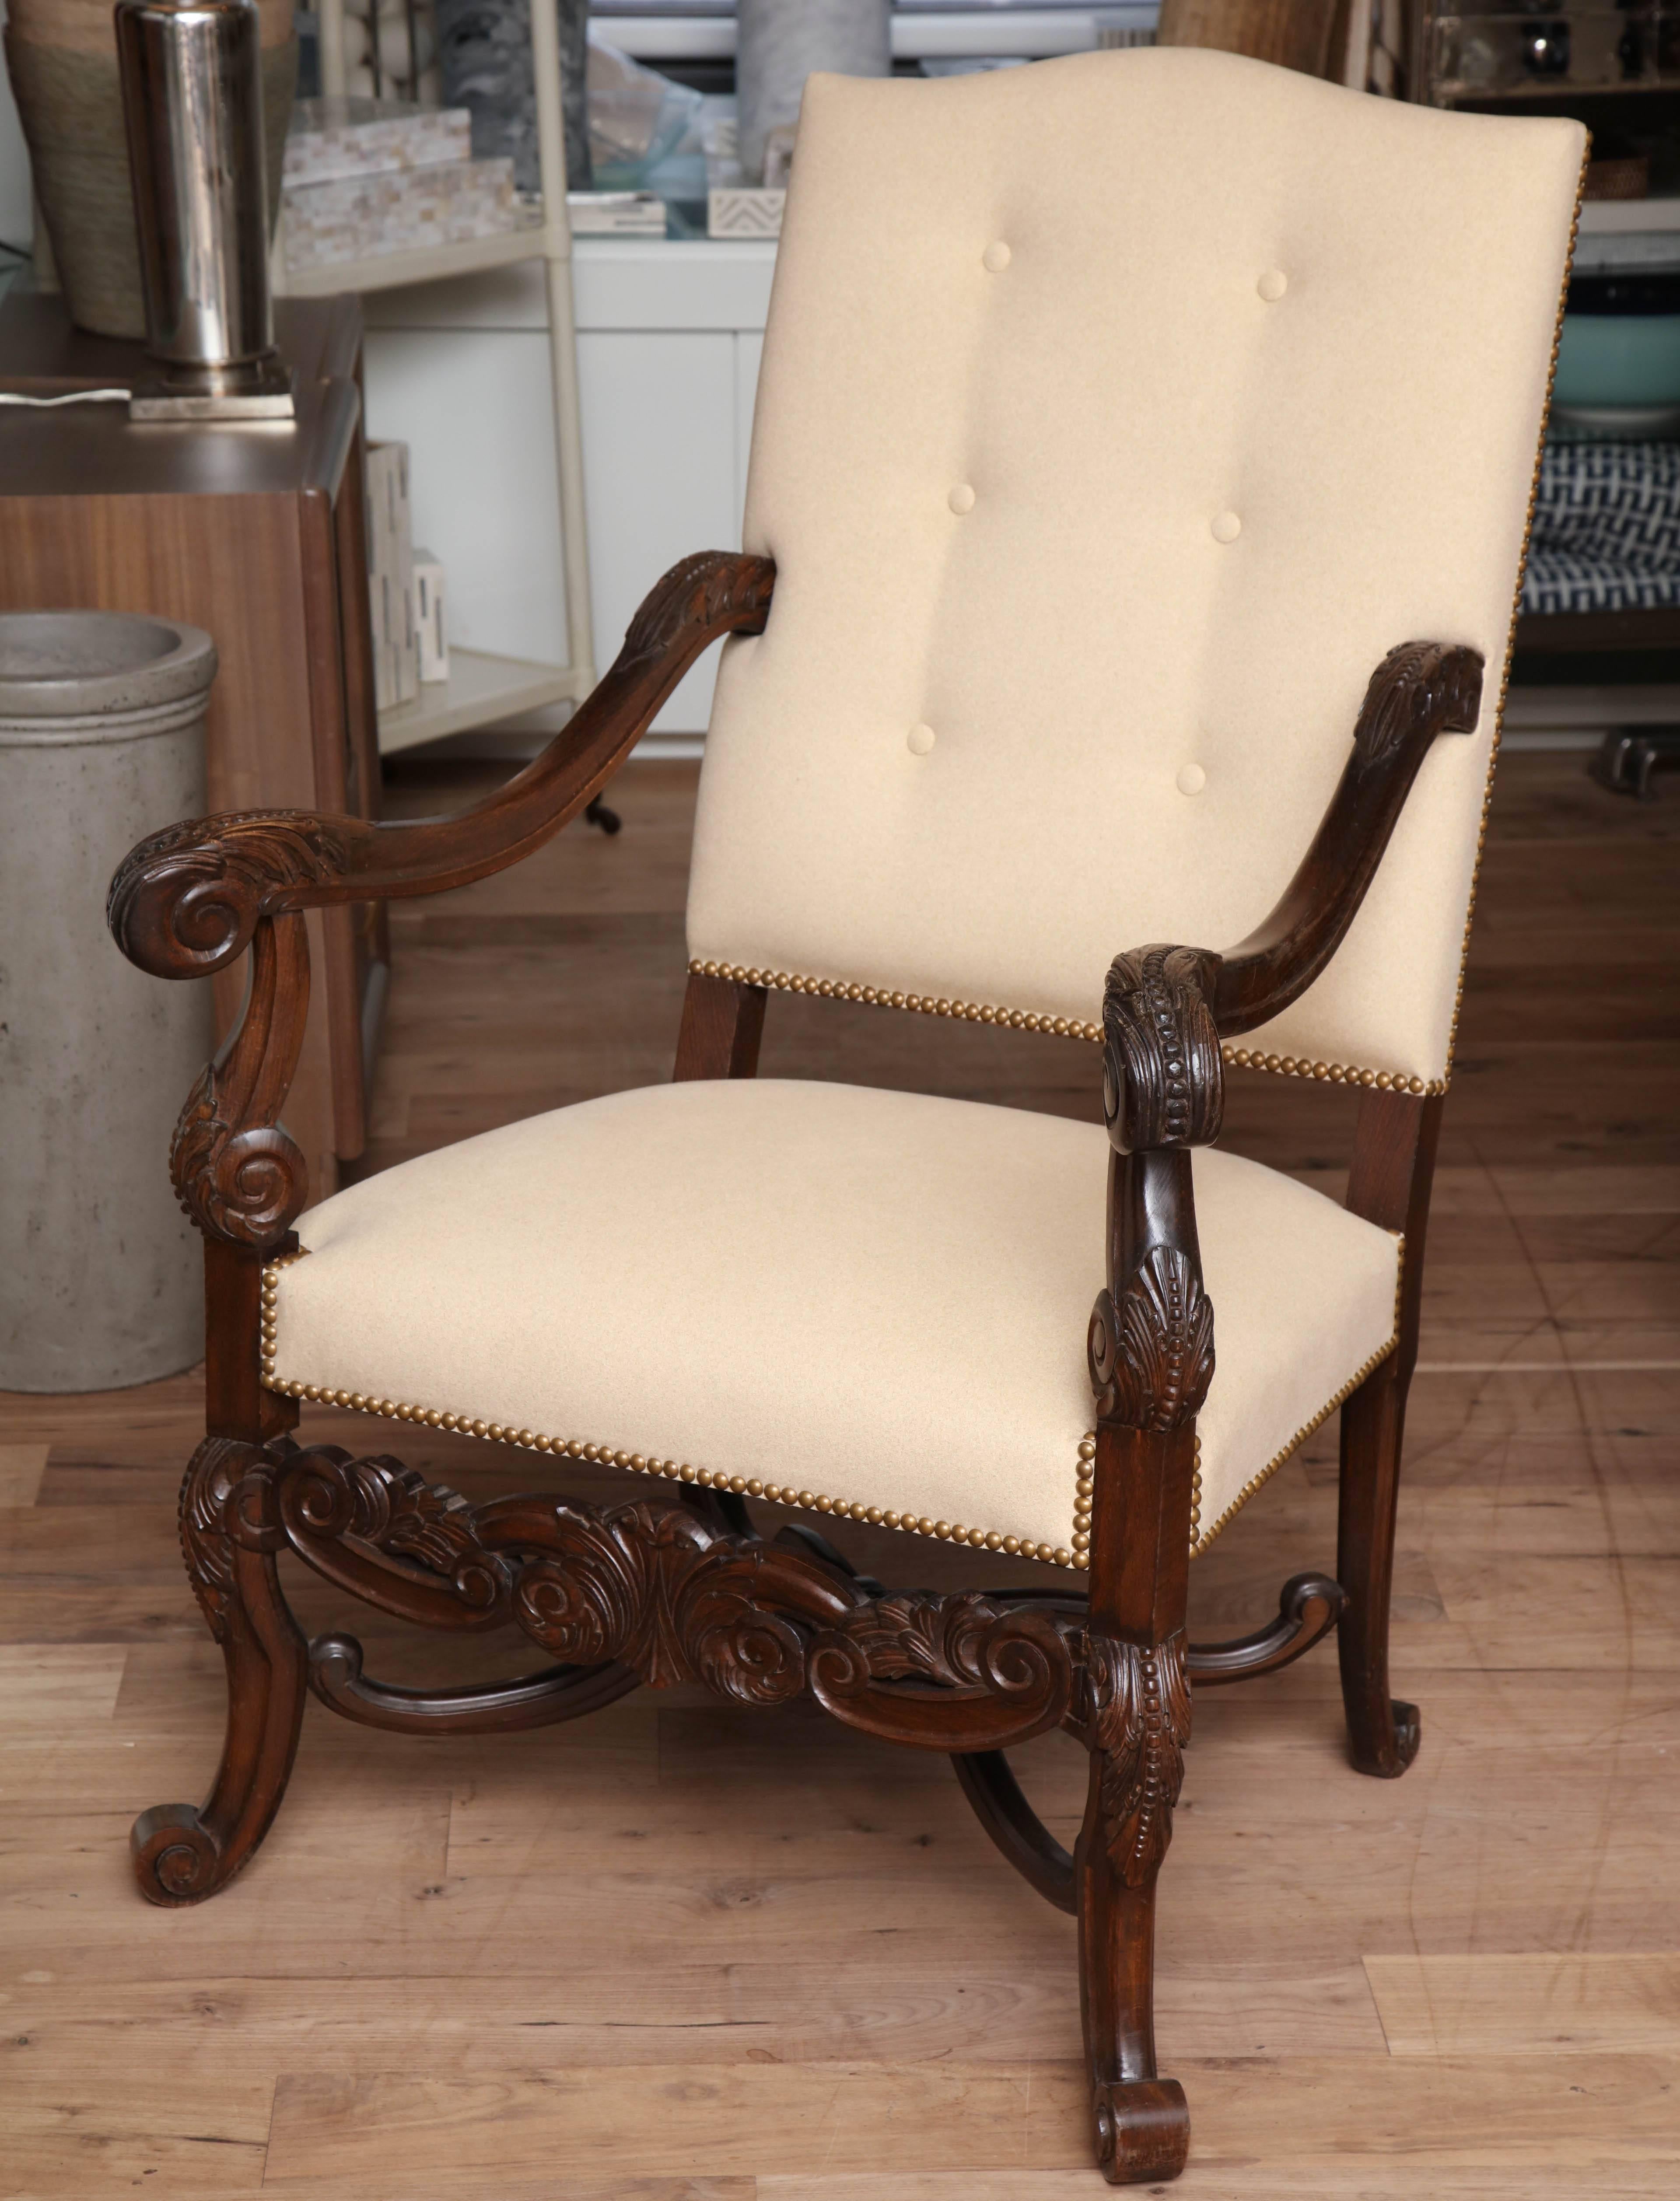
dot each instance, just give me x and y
(1117, 416)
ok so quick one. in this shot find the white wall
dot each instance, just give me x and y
(476, 407)
(668, 346)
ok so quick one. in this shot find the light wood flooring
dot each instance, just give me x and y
(683, 1953)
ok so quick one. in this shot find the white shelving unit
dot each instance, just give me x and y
(482, 688)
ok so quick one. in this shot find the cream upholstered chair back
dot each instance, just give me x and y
(1116, 416)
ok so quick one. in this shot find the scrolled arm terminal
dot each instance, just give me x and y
(1163, 1082)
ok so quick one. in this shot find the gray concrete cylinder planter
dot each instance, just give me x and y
(101, 741)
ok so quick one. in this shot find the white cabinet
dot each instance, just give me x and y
(668, 348)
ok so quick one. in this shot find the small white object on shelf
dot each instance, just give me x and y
(390, 560)
(734, 208)
(616, 213)
(406, 210)
(427, 611)
(332, 138)
(744, 210)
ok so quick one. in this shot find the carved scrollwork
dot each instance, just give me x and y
(990, 1673)
(1140, 1723)
(1419, 689)
(345, 1517)
(185, 901)
(735, 1644)
(602, 1587)
(246, 1185)
(1152, 1356)
(1163, 1081)
(654, 1588)
(713, 592)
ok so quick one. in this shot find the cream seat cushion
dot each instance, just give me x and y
(873, 1303)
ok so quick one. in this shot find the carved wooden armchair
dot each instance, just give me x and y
(1118, 417)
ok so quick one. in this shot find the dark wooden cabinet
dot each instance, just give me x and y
(255, 532)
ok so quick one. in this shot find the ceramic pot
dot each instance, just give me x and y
(62, 57)
(1620, 343)
(101, 741)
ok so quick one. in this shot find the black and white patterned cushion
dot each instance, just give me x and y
(1607, 529)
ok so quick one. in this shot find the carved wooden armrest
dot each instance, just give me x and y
(186, 901)
(1420, 690)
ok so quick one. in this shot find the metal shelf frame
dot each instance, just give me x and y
(495, 688)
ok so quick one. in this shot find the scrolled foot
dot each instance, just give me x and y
(176, 1857)
(1387, 1756)
(1143, 2130)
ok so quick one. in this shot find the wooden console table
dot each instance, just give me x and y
(255, 532)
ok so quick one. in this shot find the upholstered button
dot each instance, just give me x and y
(1192, 779)
(962, 498)
(1226, 527)
(995, 258)
(1273, 284)
(921, 740)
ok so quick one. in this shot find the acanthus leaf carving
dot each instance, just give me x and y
(922, 1639)
(1419, 689)
(712, 592)
(1139, 1697)
(1152, 1353)
(1163, 1077)
(326, 1497)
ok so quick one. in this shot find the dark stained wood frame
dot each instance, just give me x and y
(681, 1588)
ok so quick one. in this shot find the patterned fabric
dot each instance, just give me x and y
(1607, 529)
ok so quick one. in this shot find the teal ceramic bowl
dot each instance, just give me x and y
(1620, 343)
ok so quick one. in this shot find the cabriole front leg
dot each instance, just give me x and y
(1150, 1350)
(230, 1533)
(1138, 1722)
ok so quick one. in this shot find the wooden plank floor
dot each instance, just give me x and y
(681, 1953)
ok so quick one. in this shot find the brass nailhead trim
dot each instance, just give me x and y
(1083, 1496)
(1307, 1429)
(841, 990)
(637, 1463)
(1331, 1073)
(1516, 608)
(1294, 1445)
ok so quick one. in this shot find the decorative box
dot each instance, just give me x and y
(744, 210)
(332, 138)
(406, 210)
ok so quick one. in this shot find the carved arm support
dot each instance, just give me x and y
(186, 901)
(1151, 1343)
(1165, 1008)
